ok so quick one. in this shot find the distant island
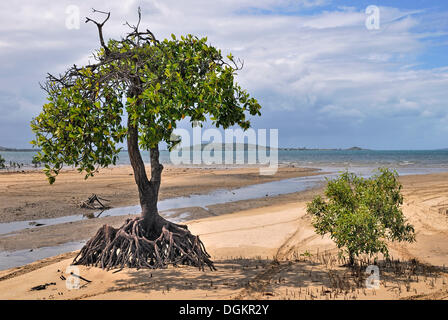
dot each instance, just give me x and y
(320, 149)
(254, 147)
(18, 150)
(226, 146)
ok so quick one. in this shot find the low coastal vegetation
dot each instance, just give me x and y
(362, 214)
(12, 164)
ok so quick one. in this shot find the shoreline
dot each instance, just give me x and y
(35, 198)
(244, 237)
(178, 183)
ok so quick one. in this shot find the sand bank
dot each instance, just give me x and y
(27, 195)
(269, 252)
(30, 193)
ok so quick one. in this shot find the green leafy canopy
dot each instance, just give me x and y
(155, 83)
(361, 214)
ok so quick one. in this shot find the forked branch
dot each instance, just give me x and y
(100, 28)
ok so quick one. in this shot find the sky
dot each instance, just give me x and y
(323, 78)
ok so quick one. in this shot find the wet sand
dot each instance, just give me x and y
(116, 184)
(28, 196)
(264, 249)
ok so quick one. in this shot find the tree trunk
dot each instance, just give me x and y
(148, 190)
(352, 258)
(149, 241)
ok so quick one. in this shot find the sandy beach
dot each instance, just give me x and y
(28, 196)
(263, 248)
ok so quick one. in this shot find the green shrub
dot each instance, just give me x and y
(361, 214)
(35, 162)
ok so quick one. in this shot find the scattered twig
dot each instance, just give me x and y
(42, 286)
(80, 277)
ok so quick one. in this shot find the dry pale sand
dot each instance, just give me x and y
(269, 252)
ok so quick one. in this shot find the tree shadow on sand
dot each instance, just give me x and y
(321, 276)
(231, 275)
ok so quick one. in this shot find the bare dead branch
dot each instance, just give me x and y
(100, 27)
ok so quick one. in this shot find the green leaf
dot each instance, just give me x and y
(154, 85)
(360, 214)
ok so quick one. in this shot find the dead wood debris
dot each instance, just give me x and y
(94, 203)
(42, 286)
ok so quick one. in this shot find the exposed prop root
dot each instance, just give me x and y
(130, 246)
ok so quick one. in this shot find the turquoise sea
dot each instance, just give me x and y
(398, 159)
(330, 161)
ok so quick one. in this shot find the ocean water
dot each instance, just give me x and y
(330, 161)
(399, 159)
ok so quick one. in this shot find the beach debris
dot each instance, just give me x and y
(94, 203)
(43, 286)
(34, 223)
(89, 215)
(100, 214)
(82, 278)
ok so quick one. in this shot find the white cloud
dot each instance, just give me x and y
(327, 64)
